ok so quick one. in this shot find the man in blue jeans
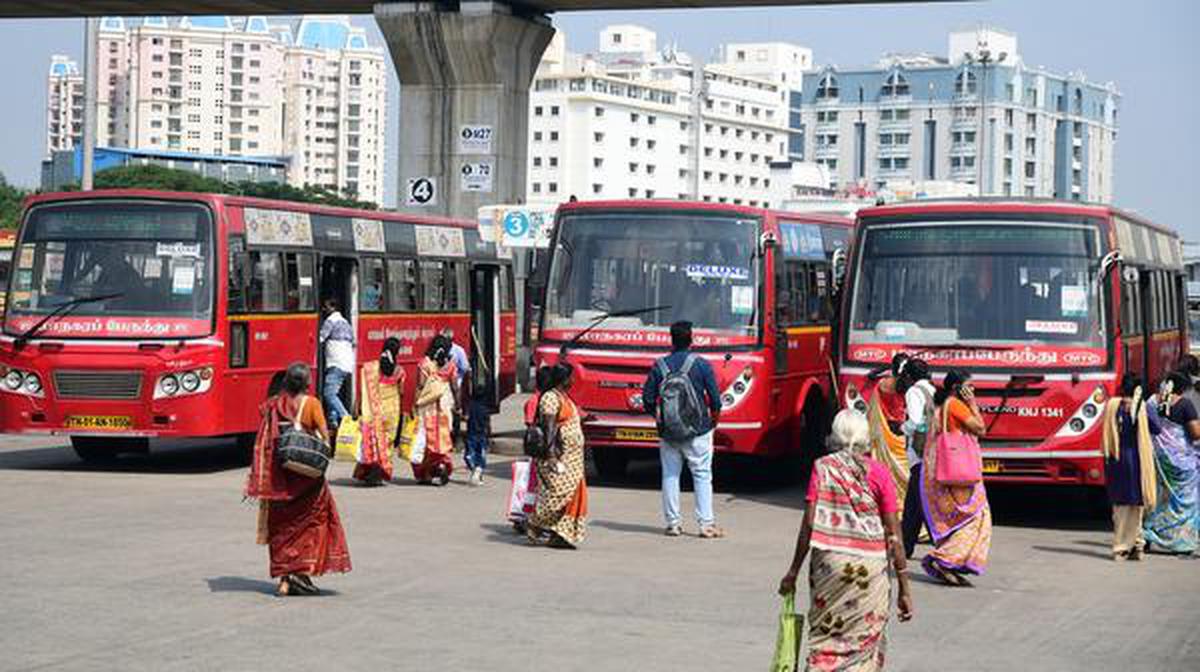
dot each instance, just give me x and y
(337, 337)
(697, 451)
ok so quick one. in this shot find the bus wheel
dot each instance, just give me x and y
(99, 450)
(611, 463)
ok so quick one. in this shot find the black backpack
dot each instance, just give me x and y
(680, 410)
(541, 439)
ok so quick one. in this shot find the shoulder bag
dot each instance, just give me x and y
(959, 461)
(300, 452)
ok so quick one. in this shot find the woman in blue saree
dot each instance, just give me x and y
(1173, 526)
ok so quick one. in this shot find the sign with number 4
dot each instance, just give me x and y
(421, 191)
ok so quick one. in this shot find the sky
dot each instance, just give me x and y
(1147, 48)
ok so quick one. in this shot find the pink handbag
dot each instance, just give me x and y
(959, 461)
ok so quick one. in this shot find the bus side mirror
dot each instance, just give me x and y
(1107, 263)
(838, 266)
(768, 241)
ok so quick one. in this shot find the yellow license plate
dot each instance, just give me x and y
(636, 435)
(103, 422)
(992, 467)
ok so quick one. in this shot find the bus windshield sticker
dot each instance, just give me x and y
(368, 235)
(1049, 327)
(741, 299)
(802, 241)
(717, 272)
(278, 227)
(1074, 301)
(153, 268)
(183, 279)
(440, 241)
(306, 281)
(178, 250)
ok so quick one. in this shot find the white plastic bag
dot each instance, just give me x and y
(418, 447)
(522, 495)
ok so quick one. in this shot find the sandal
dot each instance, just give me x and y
(935, 571)
(712, 532)
(304, 585)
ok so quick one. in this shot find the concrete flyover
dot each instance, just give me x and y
(465, 67)
(48, 8)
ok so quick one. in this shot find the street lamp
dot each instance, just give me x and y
(984, 59)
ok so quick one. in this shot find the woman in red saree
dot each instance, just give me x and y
(434, 408)
(379, 414)
(297, 518)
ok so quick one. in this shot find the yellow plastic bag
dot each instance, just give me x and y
(408, 435)
(349, 441)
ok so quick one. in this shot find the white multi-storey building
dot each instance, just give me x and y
(979, 116)
(313, 91)
(64, 105)
(634, 121)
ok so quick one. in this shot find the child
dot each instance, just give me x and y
(479, 432)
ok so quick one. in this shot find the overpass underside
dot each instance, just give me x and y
(49, 8)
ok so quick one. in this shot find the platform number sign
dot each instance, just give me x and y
(421, 191)
(475, 139)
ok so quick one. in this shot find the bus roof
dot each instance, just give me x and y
(1007, 205)
(244, 201)
(703, 206)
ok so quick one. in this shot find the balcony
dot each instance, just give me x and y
(902, 151)
(826, 152)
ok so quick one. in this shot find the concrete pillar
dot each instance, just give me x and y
(459, 69)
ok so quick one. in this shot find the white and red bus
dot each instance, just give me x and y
(757, 286)
(137, 314)
(1047, 303)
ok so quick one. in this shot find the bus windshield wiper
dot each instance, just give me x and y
(61, 311)
(600, 319)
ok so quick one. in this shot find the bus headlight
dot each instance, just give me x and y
(169, 385)
(33, 384)
(183, 383)
(24, 383)
(1085, 417)
(738, 389)
(190, 381)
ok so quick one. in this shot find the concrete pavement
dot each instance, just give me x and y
(151, 565)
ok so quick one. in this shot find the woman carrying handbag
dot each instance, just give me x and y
(952, 492)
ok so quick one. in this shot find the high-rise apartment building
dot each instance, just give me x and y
(313, 91)
(978, 116)
(637, 121)
(64, 105)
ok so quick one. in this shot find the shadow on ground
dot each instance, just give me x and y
(166, 457)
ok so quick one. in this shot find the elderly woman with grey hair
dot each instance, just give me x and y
(851, 525)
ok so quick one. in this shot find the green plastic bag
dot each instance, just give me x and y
(791, 632)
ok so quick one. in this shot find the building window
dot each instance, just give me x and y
(599, 111)
(895, 85)
(553, 136)
(537, 136)
(552, 187)
(537, 111)
(597, 188)
(537, 162)
(598, 137)
(965, 84)
(597, 162)
(554, 110)
(827, 88)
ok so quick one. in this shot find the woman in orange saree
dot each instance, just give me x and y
(382, 383)
(562, 500)
(434, 408)
(297, 517)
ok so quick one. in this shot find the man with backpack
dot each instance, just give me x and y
(681, 393)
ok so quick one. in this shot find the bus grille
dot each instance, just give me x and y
(98, 384)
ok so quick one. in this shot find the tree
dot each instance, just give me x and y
(169, 179)
(11, 198)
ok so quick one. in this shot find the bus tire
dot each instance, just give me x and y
(611, 463)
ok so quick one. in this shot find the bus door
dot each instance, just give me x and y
(485, 335)
(339, 281)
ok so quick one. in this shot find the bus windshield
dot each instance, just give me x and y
(153, 259)
(977, 283)
(701, 267)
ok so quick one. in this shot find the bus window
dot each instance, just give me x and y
(372, 284)
(266, 282)
(239, 263)
(433, 285)
(1131, 317)
(301, 291)
(457, 287)
(402, 285)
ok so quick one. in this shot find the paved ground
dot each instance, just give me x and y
(151, 566)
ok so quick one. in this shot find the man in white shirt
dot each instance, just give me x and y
(337, 338)
(462, 366)
(913, 380)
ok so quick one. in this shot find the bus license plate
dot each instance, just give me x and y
(992, 467)
(636, 435)
(103, 422)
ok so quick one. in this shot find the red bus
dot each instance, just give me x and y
(1048, 303)
(137, 314)
(757, 286)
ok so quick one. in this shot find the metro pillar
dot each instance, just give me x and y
(459, 69)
